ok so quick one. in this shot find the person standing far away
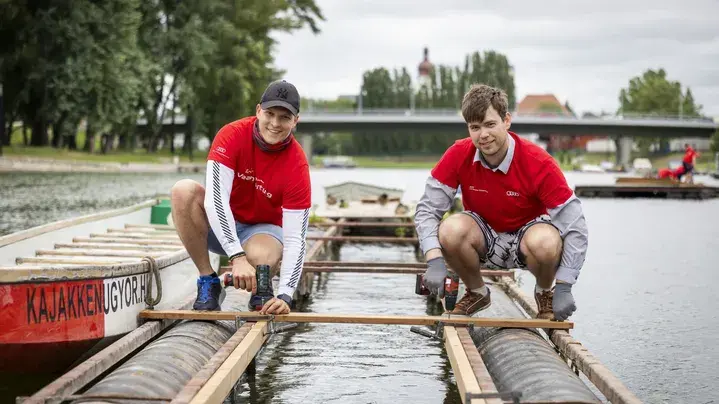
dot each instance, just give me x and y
(255, 209)
(519, 212)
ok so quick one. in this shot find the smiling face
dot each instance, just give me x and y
(275, 123)
(490, 135)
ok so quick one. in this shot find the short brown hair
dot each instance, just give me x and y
(479, 98)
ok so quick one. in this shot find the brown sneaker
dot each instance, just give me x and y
(471, 303)
(544, 304)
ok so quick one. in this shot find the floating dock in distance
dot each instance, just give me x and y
(636, 187)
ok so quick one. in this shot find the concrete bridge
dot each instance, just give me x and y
(425, 121)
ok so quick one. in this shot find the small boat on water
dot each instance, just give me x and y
(356, 199)
(73, 285)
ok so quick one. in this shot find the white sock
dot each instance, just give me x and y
(538, 289)
(481, 291)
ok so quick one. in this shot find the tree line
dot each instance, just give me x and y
(110, 64)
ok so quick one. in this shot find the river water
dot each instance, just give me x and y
(645, 306)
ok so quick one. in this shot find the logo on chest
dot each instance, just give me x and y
(513, 194)
(248, 175)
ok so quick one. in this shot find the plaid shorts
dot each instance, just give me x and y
(503, 248)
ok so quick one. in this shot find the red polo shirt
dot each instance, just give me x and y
(526, 184)
(264, 182)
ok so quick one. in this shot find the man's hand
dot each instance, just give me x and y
(243, 275)
(563, 301)
(434, 276)
(275, 306)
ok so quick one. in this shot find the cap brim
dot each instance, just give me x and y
(284, 104)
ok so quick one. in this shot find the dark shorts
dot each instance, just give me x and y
(688, 167)
(244, 232)
(503, 248)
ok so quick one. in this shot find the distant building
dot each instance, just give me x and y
(549, 105)
(424, 69)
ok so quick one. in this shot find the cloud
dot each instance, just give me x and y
(583, 52)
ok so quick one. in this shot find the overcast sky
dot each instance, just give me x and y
(583, 52)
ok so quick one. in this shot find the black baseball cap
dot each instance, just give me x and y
(283, 94)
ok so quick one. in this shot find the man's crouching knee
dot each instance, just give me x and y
(456, 230)
(186, 191)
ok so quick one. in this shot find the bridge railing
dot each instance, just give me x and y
(450, 112)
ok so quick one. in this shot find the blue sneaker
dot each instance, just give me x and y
(209, 293)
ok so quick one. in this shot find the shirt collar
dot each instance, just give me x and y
(504, 165)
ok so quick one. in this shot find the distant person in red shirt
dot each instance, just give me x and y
(256, 206)
(519, 212)
(688, 162)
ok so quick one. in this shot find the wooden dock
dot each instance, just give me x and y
(637, 187)
(221, 373)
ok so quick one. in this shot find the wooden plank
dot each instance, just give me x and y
(605, 381)
(486, 384)
(366, 239)
(120, 246)
(142, 230)
(381, 270)
(218, 387)
(91, 368)
(25, 234)
(150, 226)
(74, 260)
(138, 241)
(358, 319)
(99, 253)
(367, 264)
(366, 224)
(200, 378)
(463, 373)
(135, 236)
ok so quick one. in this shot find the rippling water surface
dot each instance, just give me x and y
(646, 306)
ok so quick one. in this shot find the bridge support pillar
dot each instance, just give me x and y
(624, 151)
(306, 143)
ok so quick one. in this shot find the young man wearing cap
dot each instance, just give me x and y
(255, 209)
(519, 212)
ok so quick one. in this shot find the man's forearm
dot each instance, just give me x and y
(434, 203)
(569, 219)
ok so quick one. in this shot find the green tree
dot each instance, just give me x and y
(653, 93)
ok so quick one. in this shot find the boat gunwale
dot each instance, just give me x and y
(64, 223)
(63, 273)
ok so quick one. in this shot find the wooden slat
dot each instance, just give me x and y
(73, 260)
(35, 231)
(99, 253)
(142, 230)
(358, 319)
(463, 373)
(203, 375)
(486, 384)
(120, 246)
(366, 239)
(220, 384)
(381, 270)
(149, 226)
(365, 224)
(366, 264)
(609, 385)
(91, 368)
(144, 241)
(141, 236)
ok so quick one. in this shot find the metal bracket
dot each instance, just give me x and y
(514, 396)
(438, 333)
(272, 327)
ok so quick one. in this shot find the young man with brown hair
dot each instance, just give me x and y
(519, 212)
(256, 206)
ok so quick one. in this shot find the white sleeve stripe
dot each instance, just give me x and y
(297, 271)
(218, 181)
(217, 199)
(294, 232)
